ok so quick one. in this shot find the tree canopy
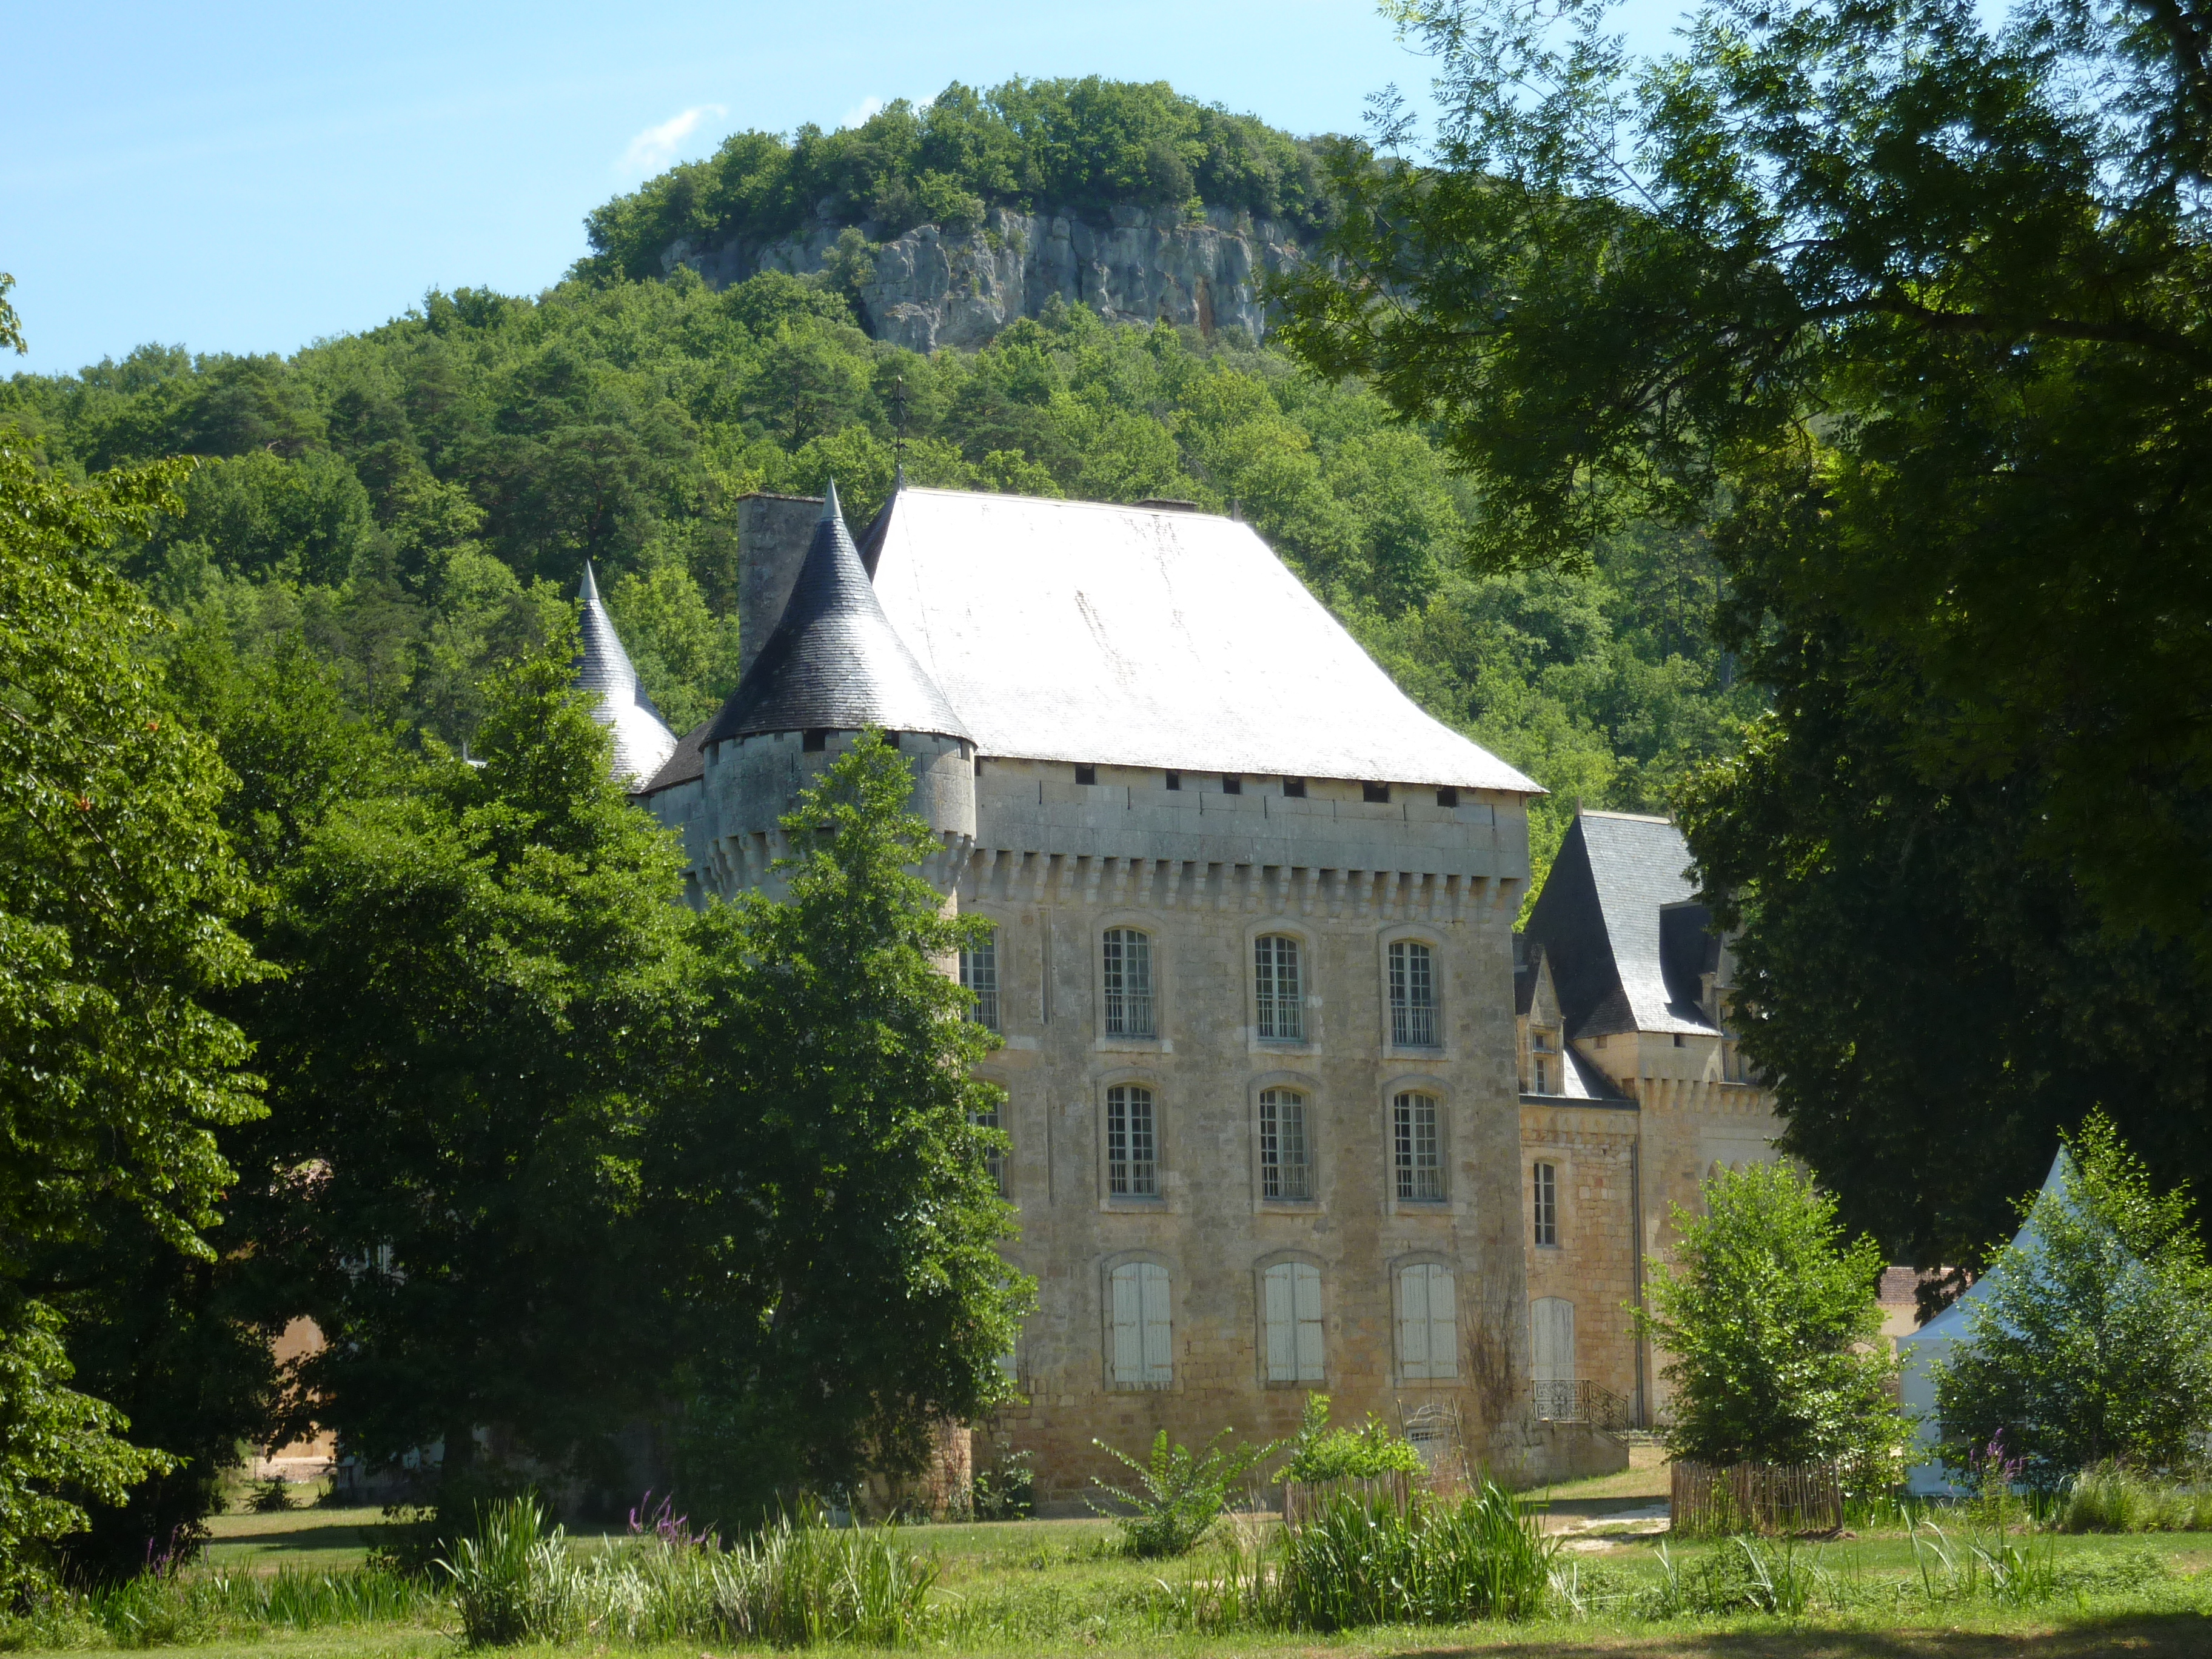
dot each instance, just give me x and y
(1902, 306)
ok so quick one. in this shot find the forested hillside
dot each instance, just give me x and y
(416, 499)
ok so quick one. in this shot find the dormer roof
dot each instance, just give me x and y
(834, 661)
(642, 742)
(1620, 926)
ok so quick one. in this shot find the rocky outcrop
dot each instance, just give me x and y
(934, 287)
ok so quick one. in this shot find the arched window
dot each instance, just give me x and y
(1290, 1299)
(1128, 982)
(1418, 1150)
(1285, 1163)
(1278, 988)
(979, 976)
(1144, 1334)
(1544, 1202)
(1428, 1323)
(995, 1160)
(1413, 994)
(1133, 1146)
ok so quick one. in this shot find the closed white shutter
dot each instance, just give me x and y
(1128, 1326)
(1428, 1323)
(1277, 1302)
(1160, 1333)
(1553, 1318)
(1306, 1306)
(1413, 1322)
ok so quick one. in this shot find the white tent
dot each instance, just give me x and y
(1923, 1347)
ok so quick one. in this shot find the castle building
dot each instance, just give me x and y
(1291, 1106)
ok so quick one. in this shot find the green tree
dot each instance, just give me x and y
(1772, 1335)
(116, 889)
(2092, 1341)
(483, 968)
(833, 1221)
(1911, 327)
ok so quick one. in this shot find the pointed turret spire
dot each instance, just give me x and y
(834, 661)
(642, 742)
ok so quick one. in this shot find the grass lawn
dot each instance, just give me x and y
(1063, 1576)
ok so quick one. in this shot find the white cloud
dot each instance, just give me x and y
(861, 111)
(656, 147)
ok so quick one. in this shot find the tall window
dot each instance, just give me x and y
(1280, 989)
(1129, 983)
(979, 975)
(1544, 1203)
(1132, 1168)
(1290, 1303)
(1428, 1323)
(1413, 995)
(1420, 1157)
(1286, 1169)
(995, 1160)
(1144, 1334)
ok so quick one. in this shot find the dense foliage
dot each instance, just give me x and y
(1088, 144)
(414, 503)
(2090, 1340)
(116, 1069)
(1904, 306)
(1772, 1334)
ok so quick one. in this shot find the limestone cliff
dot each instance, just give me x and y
(935, 287)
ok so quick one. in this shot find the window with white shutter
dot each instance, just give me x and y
(1290, 1297)
(1279, 989)
(1428, 1323)
(1144, 1334)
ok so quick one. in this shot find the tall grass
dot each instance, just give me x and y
(799, 1583)
(2109, 1499)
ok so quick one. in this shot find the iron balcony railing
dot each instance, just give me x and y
(1579, 1399)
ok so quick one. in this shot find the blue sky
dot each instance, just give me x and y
(246, 177)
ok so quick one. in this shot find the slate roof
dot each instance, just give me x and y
(686, 763)
(1146, 637)
(835, 661)
(642, 742)
(1626, 938)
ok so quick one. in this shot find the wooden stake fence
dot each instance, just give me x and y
(1302, 1500)
(1765, 1497)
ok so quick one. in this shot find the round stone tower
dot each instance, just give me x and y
(833, 665)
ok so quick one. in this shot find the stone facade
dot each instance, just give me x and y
(939, 286)
(1194, 1273)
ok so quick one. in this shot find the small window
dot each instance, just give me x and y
(1128, 976)
(1290, 1303)
(814, 741)
(1279, 989)
(1231, 784)
(1413, 995)
(1143, 1332)
(1428, 1323)
(979, 766)
(1286, 1163)
(1132, 1168)
(1375, 791)
(1447, 797)
(1678, 1039)
(979, 976)
(1419, 1155)
(1295, 788)
(1544, 1203)
(1175, 780)
(892, 738)
(996, 1159)
(1086, 775)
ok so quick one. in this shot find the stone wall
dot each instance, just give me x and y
(937, 286)
(1594, 1148)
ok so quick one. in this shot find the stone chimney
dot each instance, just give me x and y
(774, 533)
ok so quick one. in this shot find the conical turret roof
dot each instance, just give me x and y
(835, 661)
(642, 742)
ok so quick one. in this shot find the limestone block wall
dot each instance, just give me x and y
(1204, 874)
(1594, 1265)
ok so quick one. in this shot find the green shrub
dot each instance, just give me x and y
(513, 1581)
(2110, 1499)
(1006, 1491)
(1322, 1454)
(270, 1497)
(1183, 1492)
